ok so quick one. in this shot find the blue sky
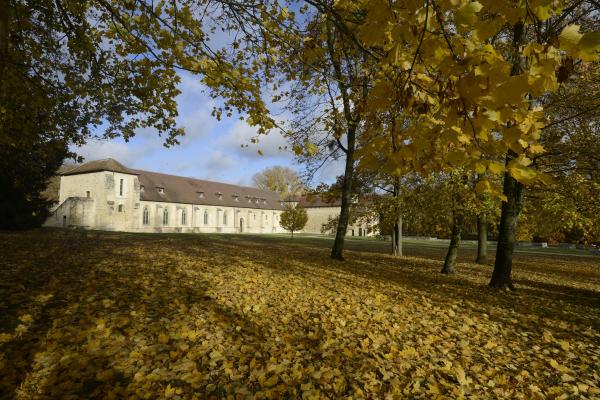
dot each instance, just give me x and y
(210, 150)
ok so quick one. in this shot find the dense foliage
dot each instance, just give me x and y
(293, 218)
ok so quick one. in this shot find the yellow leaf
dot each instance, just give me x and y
(589, 46)
(555, 364)
(536, 149)
(272, 381)
(569, 38)
(521, 172)
(169, 391)
(27, 318)
(495, 167)
(467, 14)
(162, 338)
(5, 337)
(564, 345)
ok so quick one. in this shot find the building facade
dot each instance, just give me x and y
(106, 195)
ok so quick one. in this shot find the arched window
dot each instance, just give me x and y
(224, 218)
(146, 216)
(166, 216)
(205, 217)
(183, 217)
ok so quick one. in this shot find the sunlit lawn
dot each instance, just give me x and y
(101, 315)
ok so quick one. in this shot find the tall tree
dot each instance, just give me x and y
(71, 70)
(282, 180)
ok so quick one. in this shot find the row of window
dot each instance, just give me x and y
(165, 219)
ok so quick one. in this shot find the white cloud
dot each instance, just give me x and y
(96, 149)
(241, 134)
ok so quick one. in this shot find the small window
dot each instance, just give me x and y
(141, 188)
(205, 217)
(183, 217)
(146, 216)
(200, 195)
(87, 193)
(166, 216)
(161, 190)
(120, 187)
(219, 195)
(120, 208)
(224, 218)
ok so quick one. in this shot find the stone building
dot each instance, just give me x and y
(106, 195)
(321, 211)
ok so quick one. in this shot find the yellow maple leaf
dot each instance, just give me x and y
(569, 39)
(521, 172)
(169, 391)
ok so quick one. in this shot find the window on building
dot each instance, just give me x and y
(141, 188)
(120, 187)
(183, 217)
(87, 193)
(205, 217)
(219, 195)
(200, 195)
(166, 216)
(161, 190)
(224, 218)
(120, 208)
(146, 216)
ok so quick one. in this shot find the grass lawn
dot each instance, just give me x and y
(110, 315)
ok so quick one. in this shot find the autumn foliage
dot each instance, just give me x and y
(106, 315)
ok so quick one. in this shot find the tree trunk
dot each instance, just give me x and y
(4, 36)
(511, 208)
(340, 234)
(482, 231)
(513, 190)
(397, 231)
(450, 260)
(397, 238)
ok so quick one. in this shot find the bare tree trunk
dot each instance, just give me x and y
(340, 234)
(397, 230)
(511, 208)
(450, 261)
(397, 238)
(482, 231)
(4, 13)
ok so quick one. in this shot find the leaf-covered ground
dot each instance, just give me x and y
(101, 315)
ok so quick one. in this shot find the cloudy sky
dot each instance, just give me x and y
(210, 149)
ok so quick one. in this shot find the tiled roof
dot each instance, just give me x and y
(315, 200)
(107, 164)
(179, 189)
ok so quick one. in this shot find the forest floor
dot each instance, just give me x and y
(110, 315)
